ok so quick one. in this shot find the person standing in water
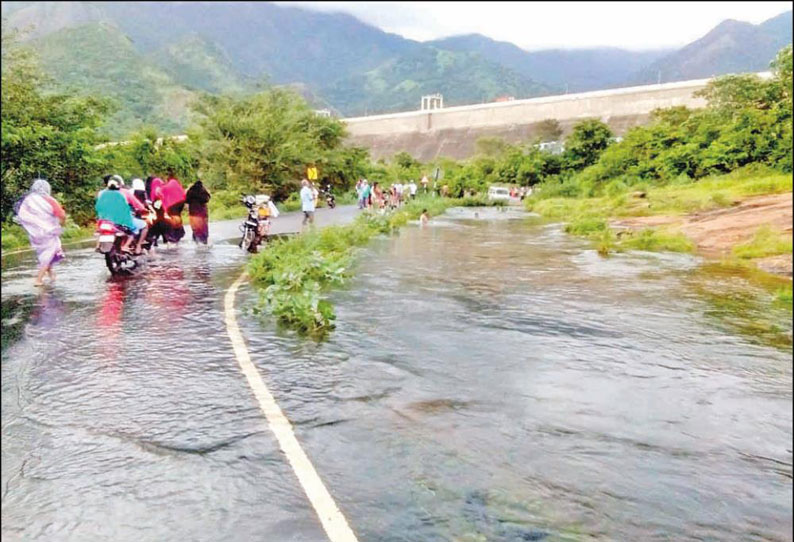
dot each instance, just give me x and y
(42, 218)
(307, 204)
(197, 198)
(173, 203)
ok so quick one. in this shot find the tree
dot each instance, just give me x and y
(586, 143)
(731, 93)
(263, 142)
(53, 136)
(782, 67)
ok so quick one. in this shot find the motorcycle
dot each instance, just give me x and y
(111, 239)
(256, 227)
(330, 199)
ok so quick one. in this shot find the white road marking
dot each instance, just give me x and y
(334, 523)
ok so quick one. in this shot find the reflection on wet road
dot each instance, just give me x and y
(488, 380)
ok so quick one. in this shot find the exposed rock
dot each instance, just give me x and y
(779, 265)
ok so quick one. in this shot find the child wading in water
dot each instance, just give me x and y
(425, 218)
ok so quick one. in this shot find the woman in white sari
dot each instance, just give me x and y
(42, 218)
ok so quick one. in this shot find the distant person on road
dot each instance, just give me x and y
(366, 194)
(42, 217)
(360, 193)
(394, 198)
(197, 198)
(378, 201)
(307, 203)
(412, 188)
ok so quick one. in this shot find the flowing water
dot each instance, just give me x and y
(490, 378)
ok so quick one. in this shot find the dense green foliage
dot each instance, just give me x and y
(264, 143)
(52, 136)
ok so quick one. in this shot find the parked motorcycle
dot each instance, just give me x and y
(256, 227)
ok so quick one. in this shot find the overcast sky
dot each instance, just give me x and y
(541, 25)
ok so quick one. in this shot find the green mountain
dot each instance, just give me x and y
(197, 63)
(97, 58)
(285, 43)
(399, 84)
(731, 47)
(578, 70)
(154, 57)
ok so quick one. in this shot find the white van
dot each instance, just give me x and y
(498, 193)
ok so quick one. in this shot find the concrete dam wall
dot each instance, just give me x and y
(453, 131)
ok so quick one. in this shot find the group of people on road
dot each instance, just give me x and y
(147, 210)
(375, 197)
(152, 210)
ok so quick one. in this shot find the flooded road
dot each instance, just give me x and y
(489, 379)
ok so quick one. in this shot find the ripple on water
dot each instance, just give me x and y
(495, 380)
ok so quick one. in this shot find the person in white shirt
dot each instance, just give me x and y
(307, 203)
(412, 188)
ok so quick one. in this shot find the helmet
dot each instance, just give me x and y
(115, 178)
(137, 184)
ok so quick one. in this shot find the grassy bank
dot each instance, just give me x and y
(294, 274)
(589, 216)
(742, 297)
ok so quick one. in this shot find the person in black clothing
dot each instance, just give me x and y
(197, 198)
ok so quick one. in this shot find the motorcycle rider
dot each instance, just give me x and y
(112, 205)
(329, 197)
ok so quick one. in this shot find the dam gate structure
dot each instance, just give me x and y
(453, 131)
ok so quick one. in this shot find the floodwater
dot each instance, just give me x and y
(490, 378)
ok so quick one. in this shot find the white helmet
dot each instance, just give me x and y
(137, 184)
